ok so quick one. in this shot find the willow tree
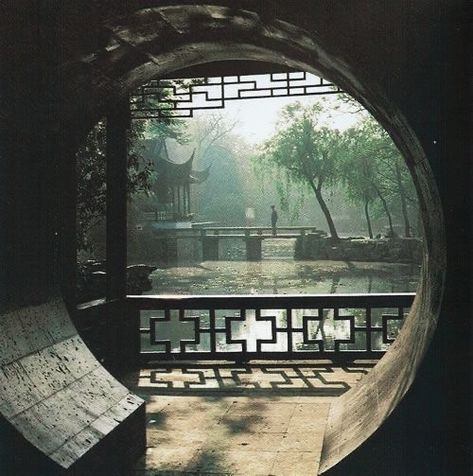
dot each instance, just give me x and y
(374, 172)
(358, 176)
(306, 151)
(398, 184)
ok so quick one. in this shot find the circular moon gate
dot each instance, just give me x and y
(155, 42)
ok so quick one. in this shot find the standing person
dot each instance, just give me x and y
(274, 219)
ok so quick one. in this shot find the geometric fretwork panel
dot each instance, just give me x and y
(244, 328)
(307, 378)
(180, 98)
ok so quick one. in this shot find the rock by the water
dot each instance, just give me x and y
(392, 250)
(92, 279)
(137, 278)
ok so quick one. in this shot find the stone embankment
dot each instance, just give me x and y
(391, 250)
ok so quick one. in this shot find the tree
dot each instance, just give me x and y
(211, 131)
(373, 170)
(91, 181)
(219, 198)
(358, 173)
(307, 152)
(91, 171)
(167, 127)
(398, 184)
(364, 145)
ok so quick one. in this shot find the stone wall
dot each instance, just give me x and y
(395, 250)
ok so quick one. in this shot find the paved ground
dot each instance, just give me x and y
(247, 420)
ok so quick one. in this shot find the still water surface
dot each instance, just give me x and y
(285, 277)
(276, 274)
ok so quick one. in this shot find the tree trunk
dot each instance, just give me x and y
(386, 210)
(326, 211)
(402, 195)
(368, 219)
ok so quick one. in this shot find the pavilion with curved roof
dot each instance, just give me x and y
(173, 184)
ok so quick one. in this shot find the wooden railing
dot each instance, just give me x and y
(241, 328)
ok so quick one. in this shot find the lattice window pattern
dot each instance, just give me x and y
(269, 333)
(164, 98)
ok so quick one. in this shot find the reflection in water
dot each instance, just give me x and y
(278, 276)
(285, 277)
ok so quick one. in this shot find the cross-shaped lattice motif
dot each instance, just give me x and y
(245, 334)
(178, 98)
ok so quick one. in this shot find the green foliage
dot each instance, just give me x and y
(91, 171)
(374, 172)
(358, 169)
(91, 165)
(304, 154)
(164, 129)
(306, 151)
(301, 147)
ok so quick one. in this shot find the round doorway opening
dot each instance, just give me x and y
(218, 34)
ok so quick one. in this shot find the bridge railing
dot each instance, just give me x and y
(241, 328)
(257, 230)
(163, 215)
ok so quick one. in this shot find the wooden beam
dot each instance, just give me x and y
(118, 122)
(272, 301)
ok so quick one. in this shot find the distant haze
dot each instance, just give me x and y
(257, 118)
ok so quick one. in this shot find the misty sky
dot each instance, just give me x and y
(257, 118)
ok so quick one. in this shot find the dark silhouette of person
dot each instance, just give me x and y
(274, 219)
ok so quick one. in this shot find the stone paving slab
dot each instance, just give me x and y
(251, 434)
(323, 380)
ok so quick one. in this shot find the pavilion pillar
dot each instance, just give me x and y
(118, 122)
(210, 248)
(179, 200)
(253, 248)
(188, 190)
(173, 190)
